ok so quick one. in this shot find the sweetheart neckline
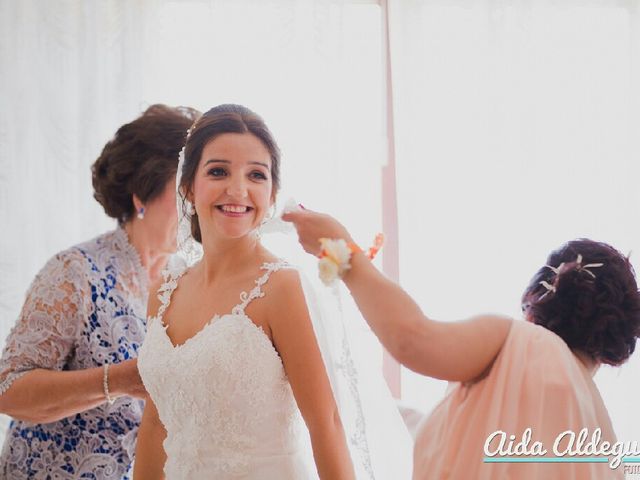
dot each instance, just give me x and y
(214, 321)
(237, 310)
(207, 324)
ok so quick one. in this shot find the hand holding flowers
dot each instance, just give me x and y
(325, 237)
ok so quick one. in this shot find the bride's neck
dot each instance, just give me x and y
(225, 257)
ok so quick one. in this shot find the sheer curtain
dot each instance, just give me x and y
(71, 72)
(68, 78)
(517, 128)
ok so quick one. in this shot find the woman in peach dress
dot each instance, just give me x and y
(510, 379)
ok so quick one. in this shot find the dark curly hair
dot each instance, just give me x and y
(228, 118)
(140, 159)
(594, 309)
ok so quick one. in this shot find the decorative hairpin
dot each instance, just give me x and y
(585, 268)
(556, 270)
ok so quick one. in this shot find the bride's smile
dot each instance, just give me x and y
(233, 189)
(234, 210)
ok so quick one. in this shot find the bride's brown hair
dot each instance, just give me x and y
(228, 118)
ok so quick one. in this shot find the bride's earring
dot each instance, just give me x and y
(191, 209)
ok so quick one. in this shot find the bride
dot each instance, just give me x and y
(231, 361)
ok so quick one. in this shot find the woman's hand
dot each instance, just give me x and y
(124, 379)
(312, 226)
(45, 396)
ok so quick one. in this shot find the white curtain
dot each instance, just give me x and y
(517, 128)
(73, 71)
(68, 78)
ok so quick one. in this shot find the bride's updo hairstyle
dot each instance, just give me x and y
(587, 294)
(219, 120)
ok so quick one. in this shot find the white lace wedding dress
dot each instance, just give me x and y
(224, 398)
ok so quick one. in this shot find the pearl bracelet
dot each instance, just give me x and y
(105, 385)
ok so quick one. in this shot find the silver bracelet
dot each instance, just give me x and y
(105, 385)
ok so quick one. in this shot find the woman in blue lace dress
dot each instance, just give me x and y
(68, 372)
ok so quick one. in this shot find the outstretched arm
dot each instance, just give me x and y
(460, 351)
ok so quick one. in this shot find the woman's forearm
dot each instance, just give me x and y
(390, 312)
(453, 351)
(459, 351)
(44, 396)
(331, 453)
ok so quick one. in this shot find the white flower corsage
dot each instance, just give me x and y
(334, 259)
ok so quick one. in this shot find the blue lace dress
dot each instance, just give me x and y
(85, 308)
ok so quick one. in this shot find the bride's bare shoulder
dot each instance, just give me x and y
(283, 281)
(285, 294)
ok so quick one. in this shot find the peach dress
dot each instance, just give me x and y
(536, 382)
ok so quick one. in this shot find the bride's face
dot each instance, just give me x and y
(232, 189)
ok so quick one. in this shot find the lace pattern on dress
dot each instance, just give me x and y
(84, 308)
(223, 395)
(49, 321)
(256, 292)
(358, 438)
(346, 365)
(172, 276)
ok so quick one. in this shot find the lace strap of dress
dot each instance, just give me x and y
(256, 292)
(171, 277)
